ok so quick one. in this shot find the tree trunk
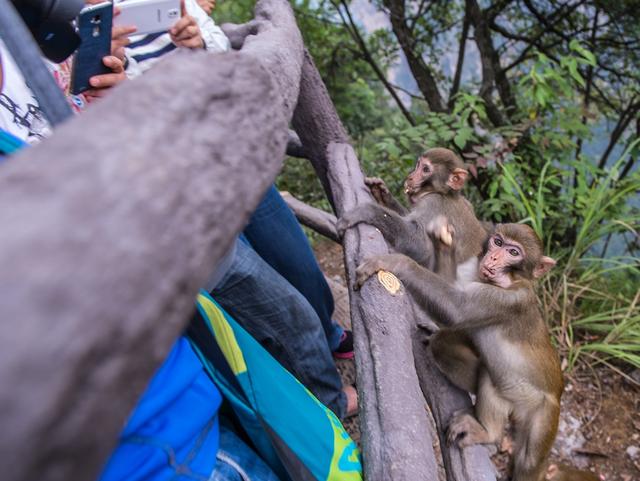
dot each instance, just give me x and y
(110, 227)
(420, 70)
(399, 438)
(317, 219)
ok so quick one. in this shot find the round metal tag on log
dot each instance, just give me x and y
(389, 281)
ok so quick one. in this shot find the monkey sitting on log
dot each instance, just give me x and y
(496, 344)
(434, 189)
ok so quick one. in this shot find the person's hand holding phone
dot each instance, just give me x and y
(120, 36)
(186, 32)
(119, 33)
(102, 83)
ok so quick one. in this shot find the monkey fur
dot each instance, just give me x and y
(433, 189)
(562, 472)
(495, 343)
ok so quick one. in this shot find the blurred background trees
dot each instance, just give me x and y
(541, 99)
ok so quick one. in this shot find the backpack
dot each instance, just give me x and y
(295, 434)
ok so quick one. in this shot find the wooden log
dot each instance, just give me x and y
(397, 438)
(317, 219)
(468, 464)
(393, 418)
(110, 227)
(295, 147)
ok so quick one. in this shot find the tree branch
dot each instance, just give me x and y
(420, 70)
(632, 160)
(318, 220)
(419, 13)
(455, 86)
(492, 73)
(352, 28)
(625, 119)
(587, 92)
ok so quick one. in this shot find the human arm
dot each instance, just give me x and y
(210, 36)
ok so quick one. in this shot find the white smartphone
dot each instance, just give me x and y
(148, 16)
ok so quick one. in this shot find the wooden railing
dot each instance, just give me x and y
(108, 229)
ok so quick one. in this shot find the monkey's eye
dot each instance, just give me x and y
(425, 169)
(497, 241)
(514, 252)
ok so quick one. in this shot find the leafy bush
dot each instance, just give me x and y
(592, 301)
(532, 168)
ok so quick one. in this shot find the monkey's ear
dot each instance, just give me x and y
(544, 266)
(457, 178)
(552, 470)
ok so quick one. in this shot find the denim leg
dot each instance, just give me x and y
(235, 461)
(277, 237)
(281, 319)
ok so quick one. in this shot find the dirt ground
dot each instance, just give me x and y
(600, 419)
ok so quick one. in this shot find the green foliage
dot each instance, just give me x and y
(533, 168)
(358, 98)
(399, 145)
(592, 301)
(233, 11)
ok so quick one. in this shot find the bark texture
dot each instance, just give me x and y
(399, 438)
(396, 434)
(110, 227)
(445, 399)
(317, 219)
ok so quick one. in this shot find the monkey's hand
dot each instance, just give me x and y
(379, 190)
(465, 430)
(385, 262)
(344, 223)
(440, 230)
(426, 329)
(362, 213)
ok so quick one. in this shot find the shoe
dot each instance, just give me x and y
(345, 348)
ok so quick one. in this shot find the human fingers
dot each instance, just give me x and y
(113, 63)
(122, 32)
(180, 25)
(187, 33)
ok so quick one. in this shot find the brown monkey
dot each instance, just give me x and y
(562, 472)
(496, 344)
(433, 189)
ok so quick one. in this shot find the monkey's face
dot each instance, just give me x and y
(434, 175)
(421, 180)
(503, 256)
(513, 251)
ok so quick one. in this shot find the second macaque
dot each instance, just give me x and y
(433, 189)
(495, 342)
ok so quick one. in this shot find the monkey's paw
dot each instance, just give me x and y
(378, 189)
(343, 224)
(366, 270)
(463, 430)
(426, 329)
(441, 230)
(349, 219)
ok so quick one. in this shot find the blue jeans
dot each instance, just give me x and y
(280, 318)
(235, 461)
(277, 237)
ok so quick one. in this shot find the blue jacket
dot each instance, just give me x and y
(173, 431)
